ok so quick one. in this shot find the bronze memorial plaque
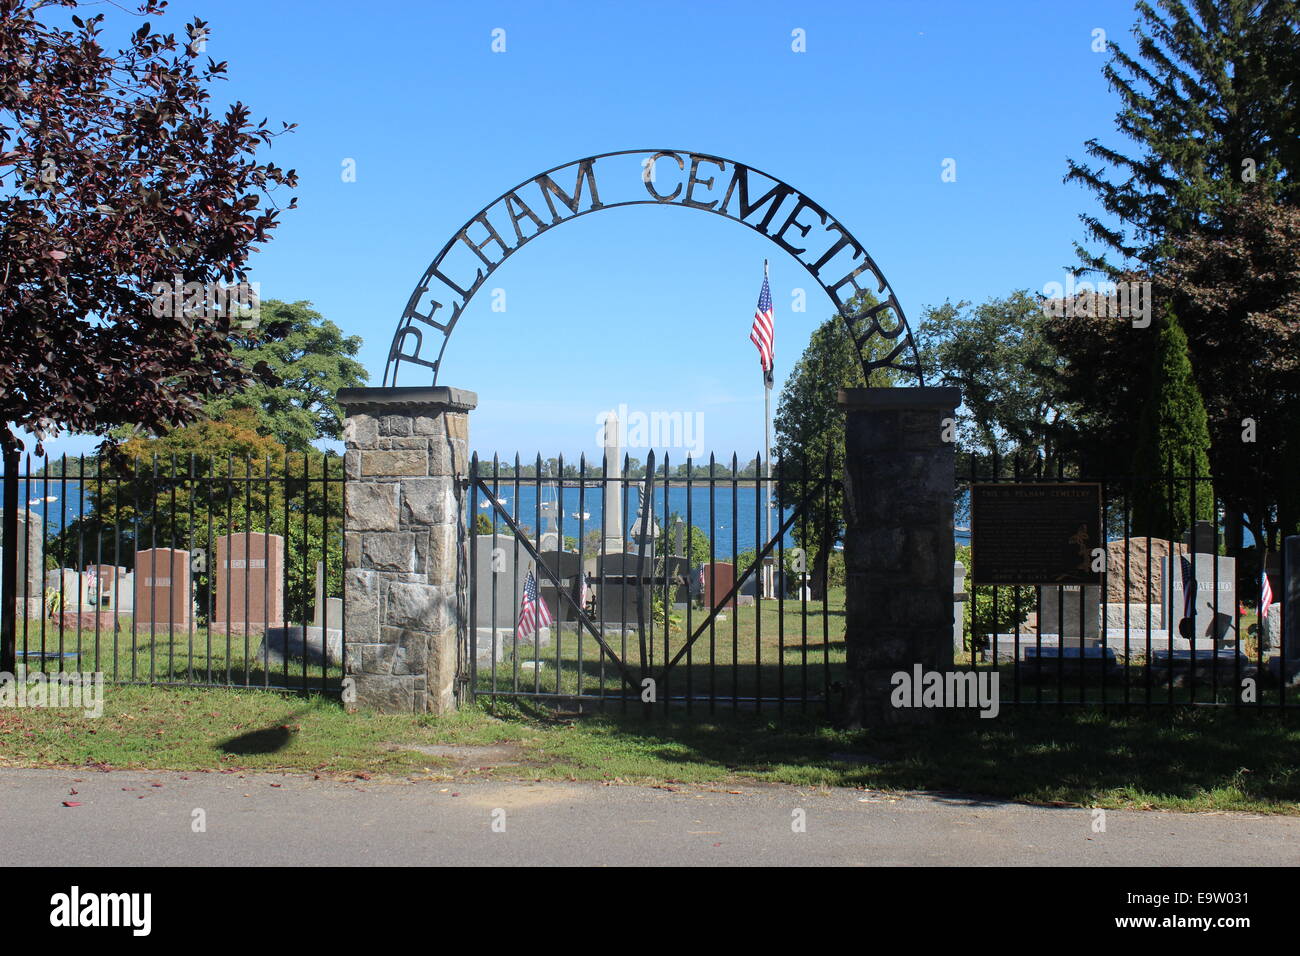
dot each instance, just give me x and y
(1035, 533)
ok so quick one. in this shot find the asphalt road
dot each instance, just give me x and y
(128, 817)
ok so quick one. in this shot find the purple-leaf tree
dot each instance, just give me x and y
(118, 181)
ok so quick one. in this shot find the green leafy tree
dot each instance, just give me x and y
(1173, 429)
(1209, 103)
(303, 359)
(999, 357)
(809, 428)
(1101, 378)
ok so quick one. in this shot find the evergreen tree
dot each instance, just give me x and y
(1210, 101)
(1173, 428)
(1238, 298)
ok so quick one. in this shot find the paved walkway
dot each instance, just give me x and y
(129, 817)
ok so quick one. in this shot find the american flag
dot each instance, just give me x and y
(533, 612)
(1265, 596)
(1189, 587)
(762, 333)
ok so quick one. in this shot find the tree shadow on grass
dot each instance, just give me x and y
(1074, 756)
(268, 740)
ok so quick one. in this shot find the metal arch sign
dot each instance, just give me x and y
(664, 177)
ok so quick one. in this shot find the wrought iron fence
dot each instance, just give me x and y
(1174, 616)
(181, 570)
(620, 586)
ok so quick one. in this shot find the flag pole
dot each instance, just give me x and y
(767, 451)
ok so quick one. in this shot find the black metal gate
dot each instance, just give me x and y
(1175, 618)
(178, 570)
(662, 614)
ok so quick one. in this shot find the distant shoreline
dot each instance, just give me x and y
(717, 479)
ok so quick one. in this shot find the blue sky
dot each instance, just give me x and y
(651, 307)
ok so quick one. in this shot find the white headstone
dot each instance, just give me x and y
(1215, 600)
(74, 590)
(495, 570)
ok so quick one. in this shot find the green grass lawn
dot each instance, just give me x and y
(788, 651)
(798, 653)
(1184, 760)
(175, 655)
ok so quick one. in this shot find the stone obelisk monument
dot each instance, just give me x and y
(613, 500)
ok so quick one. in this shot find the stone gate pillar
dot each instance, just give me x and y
(899, 475)
(404, 534)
